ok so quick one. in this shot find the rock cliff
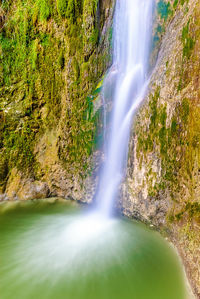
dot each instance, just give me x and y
(53, 55)
(163, 176)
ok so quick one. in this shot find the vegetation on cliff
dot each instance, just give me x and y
(52, 55)
(163, 184)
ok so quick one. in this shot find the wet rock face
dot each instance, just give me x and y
(19, 188)
(163, 184)
(52, 58)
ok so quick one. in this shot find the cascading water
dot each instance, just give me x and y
(128, 74)
(48, 250)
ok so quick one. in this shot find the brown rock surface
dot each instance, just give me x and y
(163, 176)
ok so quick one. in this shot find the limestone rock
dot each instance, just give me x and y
(163, 179)
(19, 188)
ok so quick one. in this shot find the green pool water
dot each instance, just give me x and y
(53, 250)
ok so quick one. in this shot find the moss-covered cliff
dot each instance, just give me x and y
(163, 179)
(52, 56)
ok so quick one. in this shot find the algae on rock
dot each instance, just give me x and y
(52, 56)
(163, 176)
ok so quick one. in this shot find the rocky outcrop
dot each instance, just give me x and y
(163, 176)
(19, 188)
(52, 57)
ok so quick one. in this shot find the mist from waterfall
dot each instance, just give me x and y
(126, 83)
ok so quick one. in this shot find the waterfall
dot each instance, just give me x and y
(126, 82)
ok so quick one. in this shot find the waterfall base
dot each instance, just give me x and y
(55, 250)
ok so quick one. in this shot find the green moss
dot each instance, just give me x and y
(76, 69)
(6, 4)
(44, 9)
(48, 50)
(61, 60)
(3, 167)
(153, 109)
(19, 143)
(70, 13)
(163, 140)
(176, 145)
(94, 37)
(187, 40)
(34, 55)
(90, 25)
(110, 38)
(174, 126)
(193, 209)
(164, 9)
(175, 4)
(196, 141)
(163, 116)
(24, 58)
(184, 1)
(184, 110)
(62, 7)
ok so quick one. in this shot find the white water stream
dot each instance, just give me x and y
(129, 77)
